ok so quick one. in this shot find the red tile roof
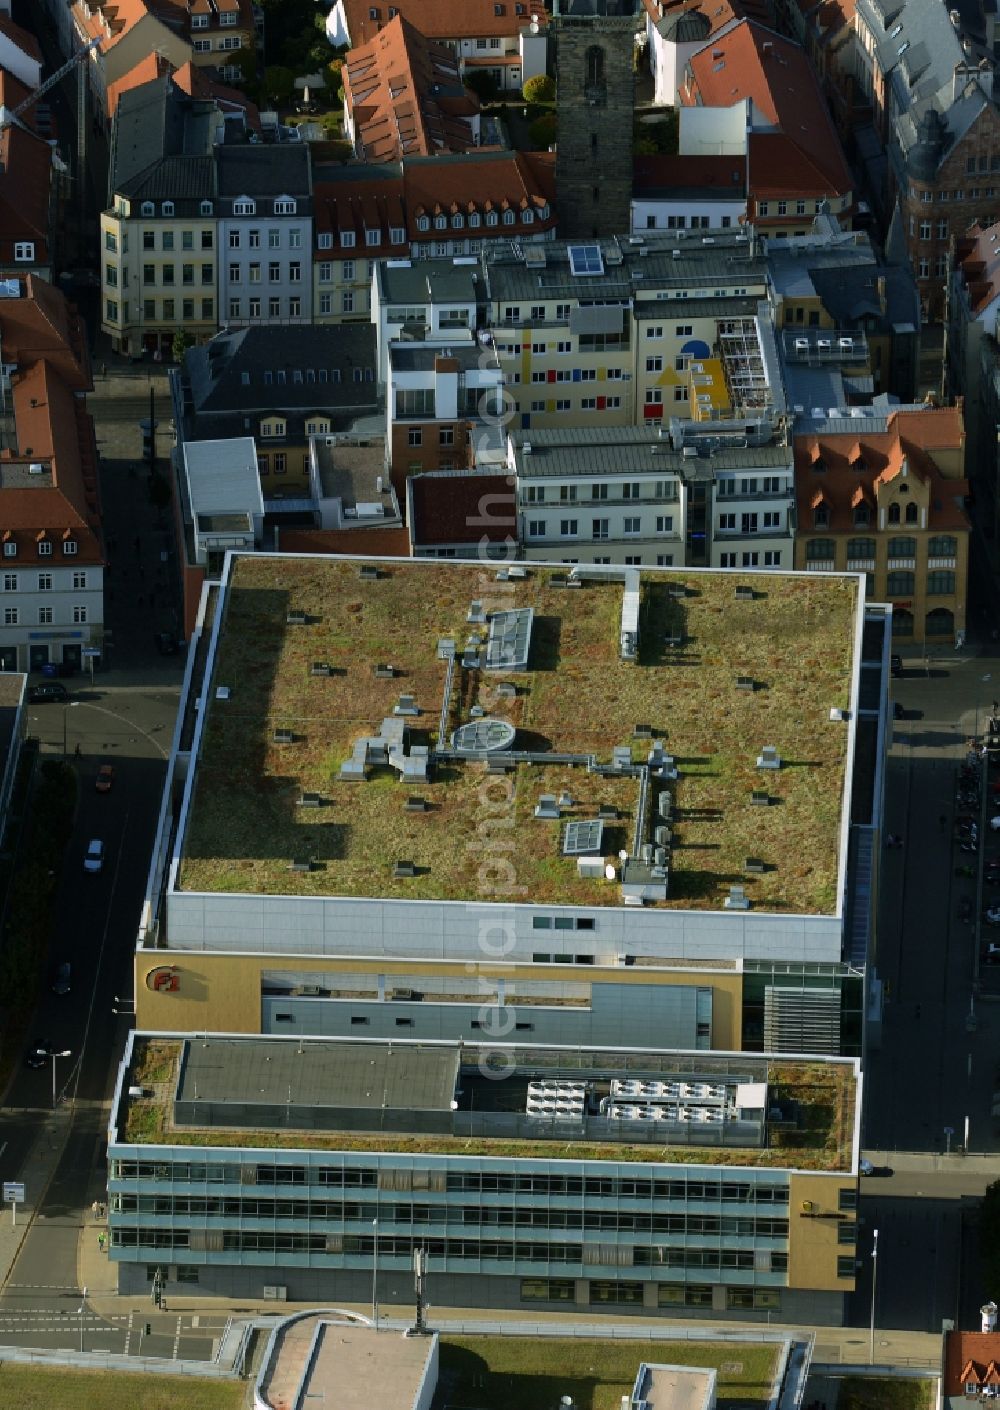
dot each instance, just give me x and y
(751, 62)
(452, 508)
(26, 180)
(109, 20)
(977, 255)
(718, 13)
(406, 97)
(151, 67)
(201, 83)
(42, 325)
(912, 436)
(24, 41)
(380, 543)
(444, 20)
(972, 1357)
(726, 175)
(394, 197)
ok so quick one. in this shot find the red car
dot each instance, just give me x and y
(105, 778)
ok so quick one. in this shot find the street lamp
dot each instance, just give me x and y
(65, 1053)
(375, 1275)
(871, 1356)
(83, 1305)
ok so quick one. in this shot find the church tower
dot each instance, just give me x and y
(595, 106)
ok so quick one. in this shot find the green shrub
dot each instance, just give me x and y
(540, 89)
(543, 130)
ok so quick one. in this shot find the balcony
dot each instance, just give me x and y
(910, 563)
(861, 565)
(941, 563)
(821, 565)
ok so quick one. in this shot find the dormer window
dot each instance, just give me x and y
(69, 547)
(821, 516)
(457, 222)
(492, 218)
(325, 241)
(397, 235)
(244, 206)
(167, 208)
(44, 548)
(148, 209)
(862, 515)
(528, 217)
(440, 222)
(475, 220)
(347, 239)
(205, 208)
(284, 205)
(373, 237)
(423, 223)
(10, 549)
(508, 217)
(199, 22)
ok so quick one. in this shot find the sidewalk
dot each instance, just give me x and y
(35, 1174)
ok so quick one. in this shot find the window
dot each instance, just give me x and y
(274, 271)
(569, 528)
(234, 308)
(664, 523)
(727, 522)
(632, 525)
(818, 550)
(536, 528)
(893, 515)
(446, 436)
(11, 616)
(149, 239)
(562, 404)
(325, 304)
(274, 239)
(862, 515)
(255, 308)
(940, 583)
(45, 549)
(942, 546)
(206, 276)
(45, 616)
(902, 548)
(234, 274)
(294, 308)
(912, 515)
(860, 548)
(149, 273)
(244, 206)
(79, 580)
(111, 242)
(295, 272)
(274, 308)
(9, 581)
(654, 364)
(925, 230)
(111, 310)
(10, 551)
(899, 584)
(567, 493)
(772, 558)
(79, 614)
(845, 1266)
(599, 529)
(280, 462)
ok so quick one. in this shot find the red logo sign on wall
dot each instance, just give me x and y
(165, 979)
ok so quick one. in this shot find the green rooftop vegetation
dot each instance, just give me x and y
(822, 1094)
(531, 1373)
(794, 641)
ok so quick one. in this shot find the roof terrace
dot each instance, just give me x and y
(368, 724)
(458, 1098)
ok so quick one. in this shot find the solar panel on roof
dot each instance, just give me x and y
(585, 259)
(583, 838)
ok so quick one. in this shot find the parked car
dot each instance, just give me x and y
(94, 860)
(992, 915)
(51, 690)
(105, 778)
(62, 980)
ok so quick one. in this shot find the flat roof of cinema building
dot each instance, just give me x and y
(634, 741)
(459, 1098)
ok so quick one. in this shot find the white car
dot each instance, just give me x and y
(992, 916)
(94, 860)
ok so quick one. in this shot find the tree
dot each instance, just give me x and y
(543, 130)
(279, 83)
(540, 89)
(483, 84)
(246, 61)
(182, 341)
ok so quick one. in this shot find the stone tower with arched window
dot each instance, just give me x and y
(595, 108)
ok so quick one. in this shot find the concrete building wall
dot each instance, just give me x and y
(797, 1306)
(442, 929)
(277, 271)
(224, 993)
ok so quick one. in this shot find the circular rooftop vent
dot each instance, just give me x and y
(487, 735)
